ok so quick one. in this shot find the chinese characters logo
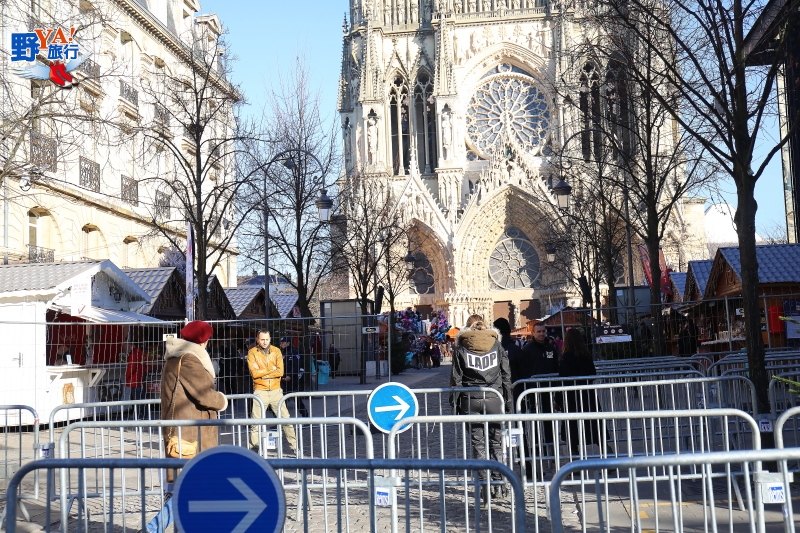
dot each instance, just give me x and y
(57, 45)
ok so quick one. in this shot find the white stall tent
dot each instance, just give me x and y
(37, 300)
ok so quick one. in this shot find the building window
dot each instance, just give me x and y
(617, 104)
(589, 103)
(425, 123)
(161, 206)
(89, 174)
(514, 263)
(130, 191)
(421, 281)
(398, 121)
(129, 93)
(33, 228)
(507, 105)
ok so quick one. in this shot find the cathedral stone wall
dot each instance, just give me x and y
(453, 104)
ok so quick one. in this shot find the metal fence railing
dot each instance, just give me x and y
(19, 447)
(679, 500)
(318, 497)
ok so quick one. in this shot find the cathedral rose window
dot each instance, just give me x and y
(514, 263)
(507, 104)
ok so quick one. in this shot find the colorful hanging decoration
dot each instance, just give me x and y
(439, 326)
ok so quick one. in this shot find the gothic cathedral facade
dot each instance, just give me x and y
(452, 104)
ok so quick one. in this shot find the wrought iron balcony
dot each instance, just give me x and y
(161, 206)
(160, 114)
(90, 68)
(89, 174)
(129, 93)
(130, 191)
(44, 152)
(37, 254)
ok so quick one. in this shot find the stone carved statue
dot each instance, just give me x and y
(458, 53)
(414, 11)
(401, 12)
(372, 140)
(472, 6)
(515, 4)
(544, 38)
(458, 6)
(387, 13)
(447, 135)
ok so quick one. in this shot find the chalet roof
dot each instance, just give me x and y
(697, 273)
(679, 282)
(284, 303)
(241, 297)
(41, 279)
(152, 280)
(777, 263)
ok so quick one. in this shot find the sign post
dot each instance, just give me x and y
(229, 489)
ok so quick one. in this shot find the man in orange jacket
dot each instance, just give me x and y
(266, 367)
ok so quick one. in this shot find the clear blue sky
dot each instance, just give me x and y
(266, 35)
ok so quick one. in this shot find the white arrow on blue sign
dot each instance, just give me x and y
(229, 489)
(390, 403)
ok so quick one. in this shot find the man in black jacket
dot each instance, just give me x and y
(539, 357)
(293, 374)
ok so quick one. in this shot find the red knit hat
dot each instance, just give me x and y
(197, 331)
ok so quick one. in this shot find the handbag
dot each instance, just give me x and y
(176, 446)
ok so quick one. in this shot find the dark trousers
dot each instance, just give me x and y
(487, 406)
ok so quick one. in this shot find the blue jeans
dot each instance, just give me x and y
(163, 519)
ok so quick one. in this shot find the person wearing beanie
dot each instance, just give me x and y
(187, 393)
(266, 367)
(191, 395)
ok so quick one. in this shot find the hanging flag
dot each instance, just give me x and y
(189, 272)
(666, 287)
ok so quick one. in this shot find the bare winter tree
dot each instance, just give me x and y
(366, 229)
(593, 239)
(293, 171)
(45, 126)
(190, 132)
(720, 96)
(651, 163)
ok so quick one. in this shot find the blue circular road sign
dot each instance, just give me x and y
(390, 403)
(229, 489)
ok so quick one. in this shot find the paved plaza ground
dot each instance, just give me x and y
(339, 501)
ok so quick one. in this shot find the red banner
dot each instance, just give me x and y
(666, 286)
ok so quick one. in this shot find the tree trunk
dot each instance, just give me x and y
(362, 367)
(201, 303)
(655, 297)
(745, 224)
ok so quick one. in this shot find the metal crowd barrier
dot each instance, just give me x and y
(787, 433)
(739, 361)
(135, 410)
(580, 435)
(554, 380)
(18, 448)
(782, 396)
(675, 502)
(113, 433)
(432, 402)
(734, 392)
(338, 506)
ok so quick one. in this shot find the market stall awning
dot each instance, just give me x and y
(106, 316)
